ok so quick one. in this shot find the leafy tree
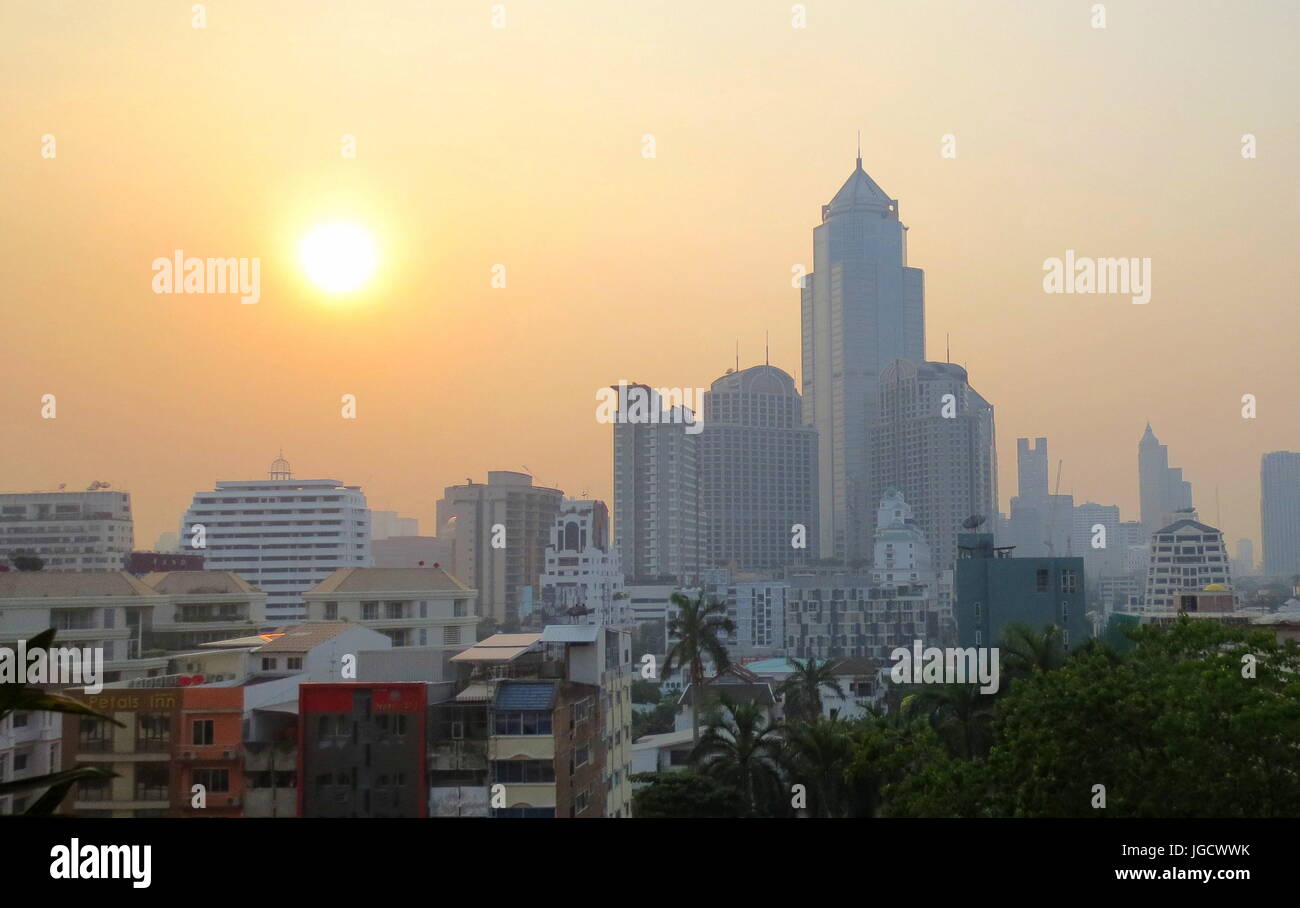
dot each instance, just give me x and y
(658, 721)
(959, 713)
(697, 627)
(24, 560)
(803, 688)
(741, 749)
(817, 755)
(16, 697)
(1024, 650)
(682, 795)
(644, 691)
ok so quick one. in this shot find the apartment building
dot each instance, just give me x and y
(69, 531)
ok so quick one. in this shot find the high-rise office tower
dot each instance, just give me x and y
(758, 471)
(862, 308)
(1279, 512)
(934, 442)
(1041, 522)
(500, 536)
(69, 531)
(658, 526)
(1163, 490)
(282, 535)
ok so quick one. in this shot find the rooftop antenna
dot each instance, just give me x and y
(767, 348)
(737, 354)
(947, 348)
(859, 148)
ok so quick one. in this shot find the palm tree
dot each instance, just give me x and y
(697, 626)
(959, 712)
(819, 753)
(740, 748)
(1024, 649)
(19, 697)
(803, 688)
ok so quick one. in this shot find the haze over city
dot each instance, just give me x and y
(620, 266)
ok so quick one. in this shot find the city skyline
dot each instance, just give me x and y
(205, 389)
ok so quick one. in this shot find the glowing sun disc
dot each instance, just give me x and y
(338, 258)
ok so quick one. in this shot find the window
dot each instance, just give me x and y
(369, 611)
(530, 722)
(458, 610)
(977, 611)
(269, 664)
(202, 732)
(212, 780)
(451, 634)
(153, 733)
(331, 611)
(20, 720)
(523, 771)
(295, 663)
(1044, 581)
(20, 762)
(1068, 581)
(581, 757)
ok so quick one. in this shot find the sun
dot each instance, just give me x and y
(339, 258)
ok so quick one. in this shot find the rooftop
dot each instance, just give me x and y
(61, 584)
(389, 580)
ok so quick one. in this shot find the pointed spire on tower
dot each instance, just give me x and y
(859, 149)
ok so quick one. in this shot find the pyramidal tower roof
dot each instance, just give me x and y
(861, 193)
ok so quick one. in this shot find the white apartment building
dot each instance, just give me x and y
(201, 606)
(1186, 557)
(69, 531)
(412, 607)
(282, 535)
(30, 746)
(583, 580)
(109, 610)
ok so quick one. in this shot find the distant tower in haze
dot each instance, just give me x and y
(1279, 511)
(1163, 490)
(862, 308)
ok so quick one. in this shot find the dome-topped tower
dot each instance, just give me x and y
(280, 468)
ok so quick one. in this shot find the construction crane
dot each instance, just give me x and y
(1051, 511)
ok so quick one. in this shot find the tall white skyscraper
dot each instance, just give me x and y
(1279, 511)
(282, 535)
(862, 308)
(934, 442)
(657, 504)
(758, 471)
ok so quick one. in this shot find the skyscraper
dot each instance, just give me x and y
(1040, 521)
(1163, 490)
(934, 443)
(862, 308)
(282, 535)
(1279, 512)
(500, 536)
(758, 471)
(657, 507)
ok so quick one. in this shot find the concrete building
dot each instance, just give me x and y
(859, 680)
(861, 309)
(659, 528)
(1244, 564)
(69, 531)
(499, 542)
(108, 610)
(934, 442)
(283, 535)
(412, 607)
(1279, 511)
(30, 746)
(1162, 488)
(995, 589)
(1186, 556)
(758, 609)
(759, 471)
(583, 580)
(541, 730)
(413, 552)
(200, 606)
(387, 524)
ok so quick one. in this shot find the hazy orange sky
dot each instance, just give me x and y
(522, 146)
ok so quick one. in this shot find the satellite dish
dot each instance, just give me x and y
(974, 521)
